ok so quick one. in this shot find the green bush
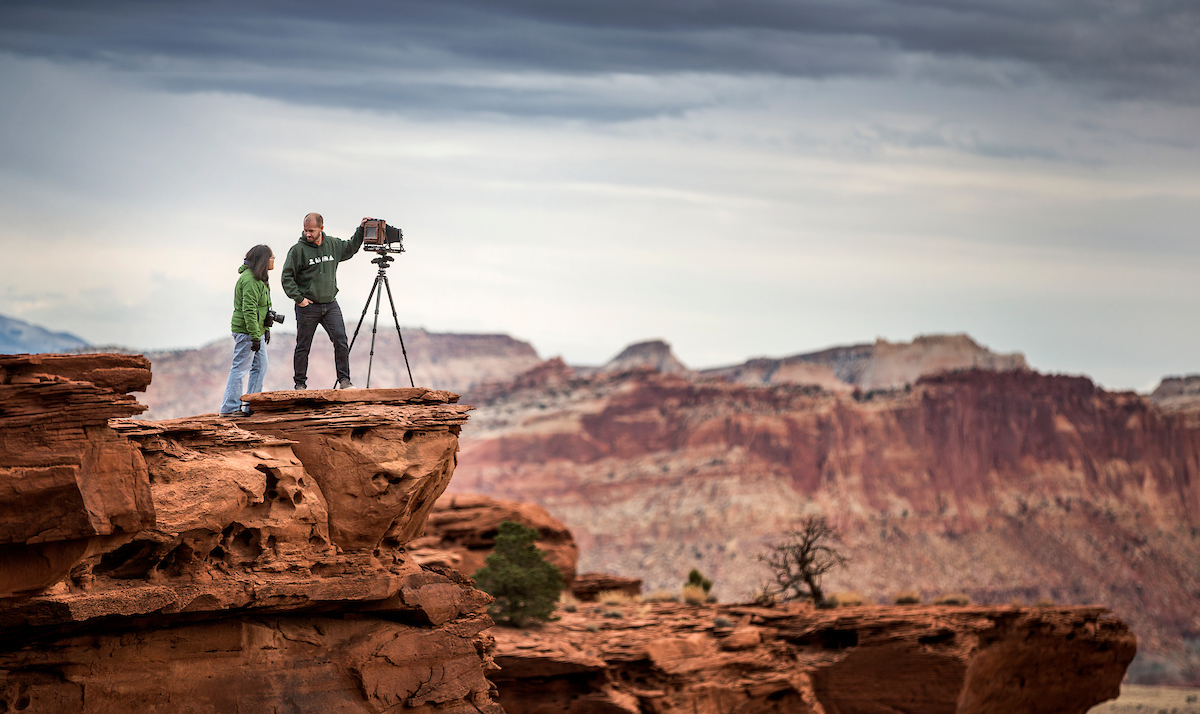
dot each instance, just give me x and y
(698, 580)
(525, 586)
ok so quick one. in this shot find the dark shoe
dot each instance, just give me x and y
(344, 384)
(300, 385)
(247, 411)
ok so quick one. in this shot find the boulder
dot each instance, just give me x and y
(588, 585)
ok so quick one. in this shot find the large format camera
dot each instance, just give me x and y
(378, 236)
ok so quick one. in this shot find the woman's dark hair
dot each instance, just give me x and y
(258, 258)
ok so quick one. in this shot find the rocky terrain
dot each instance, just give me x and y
(616, 653)
(1009, 486)
(281, 562)
(668, 658)
(212, 565)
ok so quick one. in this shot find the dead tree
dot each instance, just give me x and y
(799, 562)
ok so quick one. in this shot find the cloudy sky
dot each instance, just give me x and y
(749, 178)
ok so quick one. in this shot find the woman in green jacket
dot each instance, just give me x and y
(251, 300)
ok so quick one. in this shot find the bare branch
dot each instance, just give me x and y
(799, 562)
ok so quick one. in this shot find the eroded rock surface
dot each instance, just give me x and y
(667, 658)
(69, 485)
(229, 565)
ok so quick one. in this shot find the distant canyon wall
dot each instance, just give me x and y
(1006, 485)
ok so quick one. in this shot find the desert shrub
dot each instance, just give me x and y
(845, 599)
(1044, 602)
(710, 598)
(721, 621)
(798, 564)
(695, 577)
(568, 602)
(763, 597)
(953, 599)
(693, 594)
(614, 597)
(516, 574)
(591, 627)
(613, 613)
(907, 597)
(661, 596)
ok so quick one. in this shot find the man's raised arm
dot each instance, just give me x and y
(351, 246)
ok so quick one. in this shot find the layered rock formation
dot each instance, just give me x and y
(655, 355)
(1178, 395)
(882, 365)
(217, 565)
(188, 382)
(1008, 485)
(667, 658)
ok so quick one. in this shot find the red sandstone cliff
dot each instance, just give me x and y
(213, 565)
(1003, 484)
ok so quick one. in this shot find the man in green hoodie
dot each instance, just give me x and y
(310, 279)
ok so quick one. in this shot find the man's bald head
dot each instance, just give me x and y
(313, 228)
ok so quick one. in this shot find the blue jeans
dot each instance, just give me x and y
(244, 360)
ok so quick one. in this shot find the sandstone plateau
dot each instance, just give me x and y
(212, 565)
(275, 563)
(666, 658)
(1008, 485)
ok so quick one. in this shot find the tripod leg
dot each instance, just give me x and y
(374, 287)
(396, 319)
(375, 326)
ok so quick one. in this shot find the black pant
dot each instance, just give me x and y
(329, 316)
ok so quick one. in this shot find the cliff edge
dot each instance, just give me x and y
(207, 564)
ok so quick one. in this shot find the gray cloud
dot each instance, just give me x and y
(397, 55)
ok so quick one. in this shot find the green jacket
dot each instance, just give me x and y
(251, 300)
(310, 270)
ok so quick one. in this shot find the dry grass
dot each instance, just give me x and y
(1044, 602)
(907, 597)
(958, 599)
(568, 602)
(844, 599)
(693, 595)
(661, 596)
(614, 597)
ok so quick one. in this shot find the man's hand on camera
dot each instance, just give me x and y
(267, 337)
(363, 222)
(255, 344)
(304, 303)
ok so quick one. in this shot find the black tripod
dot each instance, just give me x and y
(383, 261)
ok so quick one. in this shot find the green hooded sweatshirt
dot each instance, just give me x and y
(310, 270)
(251, 300)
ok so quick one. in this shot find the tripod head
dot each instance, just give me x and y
(383, 261)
